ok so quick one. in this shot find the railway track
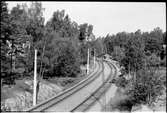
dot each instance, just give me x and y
(62, 101)
(66, 93)
(96, 95)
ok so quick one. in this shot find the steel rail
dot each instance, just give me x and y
(89, 101)
(104, 88)
(66, 93)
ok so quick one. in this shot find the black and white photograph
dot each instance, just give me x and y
(71, 56)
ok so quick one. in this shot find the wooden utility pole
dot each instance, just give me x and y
(88, 62)
(35, 80)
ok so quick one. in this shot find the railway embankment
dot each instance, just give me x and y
(21, 99)
(19, 96)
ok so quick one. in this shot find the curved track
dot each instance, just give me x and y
(72, 98)
(95, 96)
(61, 97)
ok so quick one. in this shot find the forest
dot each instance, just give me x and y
(62, 45)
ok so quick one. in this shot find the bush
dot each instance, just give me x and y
(62, 58)
(124, 105)
(121, 82)
(67, 82)
(147, 86)
(9, 79)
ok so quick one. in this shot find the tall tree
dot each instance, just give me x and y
(61, 57)
(61, 23)
(118, 54)
(19, 34)
(6, 31)
(109, 42)
(153, 41)
(35, 29)
(134, 52)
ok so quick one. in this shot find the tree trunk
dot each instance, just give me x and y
(42, 60)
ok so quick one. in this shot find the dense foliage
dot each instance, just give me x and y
(62, 46)
(133, 49)
(142, 54)
(147, 87)
(61, 43)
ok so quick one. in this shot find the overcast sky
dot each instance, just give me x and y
(110, 17)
